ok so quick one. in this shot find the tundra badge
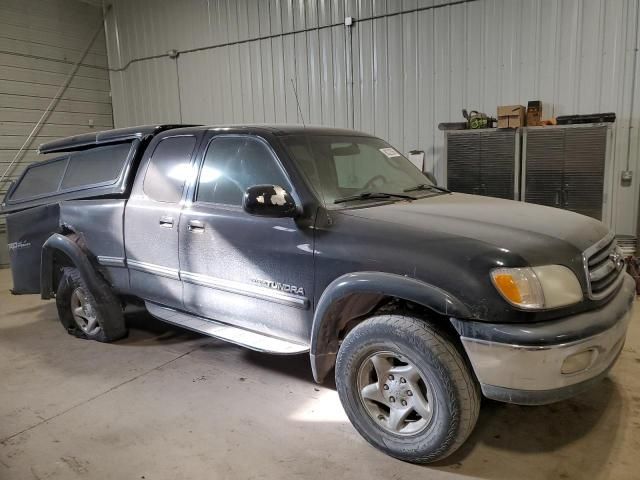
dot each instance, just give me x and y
(285, 287)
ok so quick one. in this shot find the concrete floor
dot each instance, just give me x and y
(169, 404)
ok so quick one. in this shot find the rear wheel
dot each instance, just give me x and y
(406, 388)
(80, 313)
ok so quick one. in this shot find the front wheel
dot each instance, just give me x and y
(406, 388)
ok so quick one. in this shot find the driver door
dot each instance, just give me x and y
(249, 271)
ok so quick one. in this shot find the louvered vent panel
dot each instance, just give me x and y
(585, 151)
(497, 163)
(565, 168)
(482, 162)
(544, 157)
(463, 162)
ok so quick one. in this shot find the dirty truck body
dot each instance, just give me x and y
(293, 240)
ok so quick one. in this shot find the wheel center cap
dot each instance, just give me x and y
(395, 392)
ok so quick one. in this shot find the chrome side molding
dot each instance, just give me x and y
(252, 290)
(249, 290)
(154, 269)
(111, 261)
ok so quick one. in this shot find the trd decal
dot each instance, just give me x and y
(19, 245)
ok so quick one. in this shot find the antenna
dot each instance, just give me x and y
(295, 92)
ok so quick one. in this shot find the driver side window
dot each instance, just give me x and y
(231, 165)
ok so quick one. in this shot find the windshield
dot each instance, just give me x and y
(339, 167)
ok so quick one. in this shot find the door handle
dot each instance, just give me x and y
(166, 221)
(195, 226)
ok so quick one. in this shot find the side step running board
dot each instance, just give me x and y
(240, 336)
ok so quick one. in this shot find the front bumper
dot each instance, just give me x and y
(534, 364)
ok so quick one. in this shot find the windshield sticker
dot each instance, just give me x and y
(390, 152)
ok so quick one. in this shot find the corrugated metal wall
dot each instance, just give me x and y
(414, 64)
(40, 40)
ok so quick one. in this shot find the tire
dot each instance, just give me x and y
(100, 322)
(446, 392)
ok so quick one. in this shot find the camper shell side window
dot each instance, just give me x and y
(91, 172)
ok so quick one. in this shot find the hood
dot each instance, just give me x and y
(526, 229)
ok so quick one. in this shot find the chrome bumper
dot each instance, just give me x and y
(538, 374)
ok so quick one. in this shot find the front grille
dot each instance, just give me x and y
(604, 266)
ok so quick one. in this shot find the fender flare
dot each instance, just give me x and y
(326, 320)
(80, 259)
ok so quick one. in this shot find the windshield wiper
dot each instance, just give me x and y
(368, 195)
(426, 186)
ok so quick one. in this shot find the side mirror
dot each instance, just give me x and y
(269, 201)
(432, 178)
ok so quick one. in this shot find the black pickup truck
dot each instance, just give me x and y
(293, 240)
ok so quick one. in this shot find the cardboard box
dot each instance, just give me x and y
(534, 113)
(511, 116)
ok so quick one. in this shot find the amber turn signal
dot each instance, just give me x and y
(508, 287)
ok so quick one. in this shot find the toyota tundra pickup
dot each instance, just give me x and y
(294, 240)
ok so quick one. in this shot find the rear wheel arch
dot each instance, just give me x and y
(65, 260)
(352, 298)
(62, 250)
(61, 259)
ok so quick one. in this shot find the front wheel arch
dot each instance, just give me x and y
(353, 297)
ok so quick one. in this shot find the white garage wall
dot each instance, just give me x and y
(415, 64)
(40, 40)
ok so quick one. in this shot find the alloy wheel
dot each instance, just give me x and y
(395, 394)
(83, 313)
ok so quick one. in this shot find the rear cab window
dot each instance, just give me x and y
(168, 169)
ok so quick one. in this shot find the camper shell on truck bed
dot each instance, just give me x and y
(99, 165)
(93, 165)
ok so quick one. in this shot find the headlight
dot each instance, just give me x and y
(536, 288)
